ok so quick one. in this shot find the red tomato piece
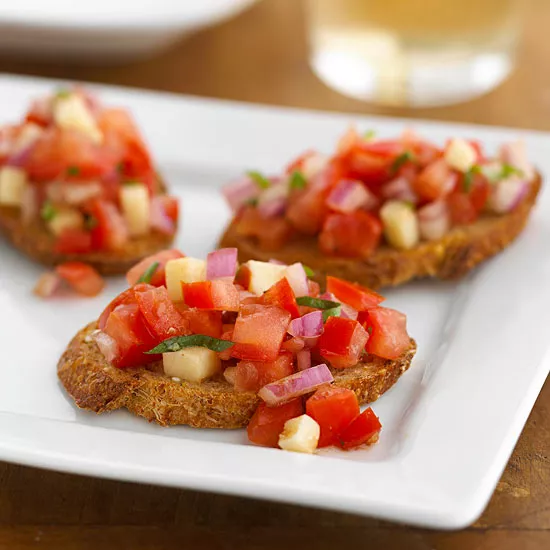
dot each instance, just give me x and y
(267, 423)
(354, 295)
(159, 276)
(82, 277)
(160, 314)
(171, 207)
(254, 375)
(388, 333)
(73, 241)
(202, 321)
(259, 332)
(371, 162)
(333, 408)
(218, 295)
(354, 235)
(297, 165)
(124, 298)
(342, 342)
(364, 429)
(461, 209)
(435, 181)
(272, 233)
(110, 232)
(282, 295)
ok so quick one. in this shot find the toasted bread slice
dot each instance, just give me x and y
(36, 242)
(451, 257)
(97, 386)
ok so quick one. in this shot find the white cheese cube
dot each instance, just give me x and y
(65, 218)
(183, 270)
(71, 112)
(13, 182)
(135, 203)
(194, 364)
(28, 134)
(264, 275)
(300, 434)
(460, 155)
(400, 224)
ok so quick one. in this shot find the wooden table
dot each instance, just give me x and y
(261, 57)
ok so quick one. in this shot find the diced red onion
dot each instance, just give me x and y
(221, 264)
(272, 208)
(239, 192)
(160, 221)
(106, 344)
(297, 278)
(515, 154)
(309, 325)
(79, 193)
(350, 195)
(348, 140)
(303, 359)
(507, 194)
(434, 220)
(347, 312)
(276, 262)
(399, 189)
(29, 204)
(329, 296)
(47, 285)
(292, 386)
(19, 158)
(230, 374)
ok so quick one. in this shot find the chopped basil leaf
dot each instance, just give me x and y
(297, 180)
(409, 204)
(309, 271)
(509, 170)
(407, 156)
(332, 312)
(369, 134)
(148, 273)
(90, 222)
(73, 171)
(261, 181)
(317, 303)
(48, 211)
(252, 202)
(62, 93)
(469, 177)
(178, 343)
(132, 182)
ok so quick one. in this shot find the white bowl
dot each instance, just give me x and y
(104, 30)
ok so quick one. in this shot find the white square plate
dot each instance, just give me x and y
(450, 423)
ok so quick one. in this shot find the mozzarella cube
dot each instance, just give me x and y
(71, 112)
(300, 434)
(264, 275)
(135, 203)
(13, 182)
(460, 155)
(28, 134)
(313, 164)
(183, 270)
(400, 224)
(194, 364)
(66, 218)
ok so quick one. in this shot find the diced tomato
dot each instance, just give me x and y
(126, 325)
(73, 241)
(333, 408)
(159, 276)
(171, 207)
(298, 163)
(479, 193)
(110, 231)
(267, 423)
(160, 314)
(218, 295)
(350, 235)
(314, 288)
(293, 345)
(82, 277)
(272, 233)
(242, 277)
(465, 205)
(435, 181)
(354, 295)
(364, 429)
(342, 342)
(259, 332)
(282, 295)
(40, 112)
(227, 334)
(202, 321)
(371, 162)
(388, 333)
(124, 298)
(253, 375)
(307, 209)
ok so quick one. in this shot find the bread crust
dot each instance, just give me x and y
(450, 257)
(97, 386)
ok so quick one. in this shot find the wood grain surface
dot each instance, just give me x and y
(261, 56)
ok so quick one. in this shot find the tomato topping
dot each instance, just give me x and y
(253, 375)
(333, 408)
(82, 277)
(388, 333)
(171, 207)
(350, 235)
(159, 276)
(314, 288)
(110, 231)
(259, 332)
(298, 163)
(202, 321)
(272, 233)
(364, 429)
(267, 423)
(354, 295)
(124, 298)
(371, 162)
(73, 241)
(342, 342)
(435, 181)
(219, 295)
(461, 209)
(282, 295)
(307, 210)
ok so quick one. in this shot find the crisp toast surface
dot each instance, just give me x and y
(96, 385)
(451, 257)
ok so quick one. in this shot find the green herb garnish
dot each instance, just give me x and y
(317, 303)
(509, 170)
(148, 273)
(403, 158)
(468, 179)
(261, 181)
(132, 182)
(178, 343)
(90, 222)
(252, 202)
(297, 180)
(48, 211)
(369, 134)
(62, 93)
(309, 271)
(332, 312)
(73, 171)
